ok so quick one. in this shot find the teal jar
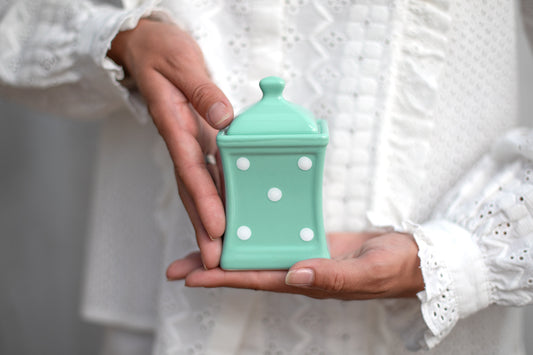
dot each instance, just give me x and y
(273, 161)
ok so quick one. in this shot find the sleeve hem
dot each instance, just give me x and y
(455, 275)
(95, 41)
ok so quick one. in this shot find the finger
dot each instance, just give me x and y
(187, 71)
(255, 280)
(210, 249)
(180, 268)
(173, 119)
(271, 281)
(196, 179)
(340, 278)
(213, 169)
(209, 100)
(222, 181)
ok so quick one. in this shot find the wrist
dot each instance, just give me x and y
(120, 46)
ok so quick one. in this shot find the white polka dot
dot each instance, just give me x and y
(244, 233)
(274, 194)
(305, 163)
(307, 234)
(243, 163)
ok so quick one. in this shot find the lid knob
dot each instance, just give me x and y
(273, 115)
(272, 86)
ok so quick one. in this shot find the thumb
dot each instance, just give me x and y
(209, 101)
(186, 69)
(206, 98)
(325, 274)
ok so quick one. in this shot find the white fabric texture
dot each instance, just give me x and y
(117, 341)
(415, 92)
(488, 216)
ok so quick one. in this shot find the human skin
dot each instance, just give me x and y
(188, 109)
(363, 266)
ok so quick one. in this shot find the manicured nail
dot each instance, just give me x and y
(300, 277)
(218, 113)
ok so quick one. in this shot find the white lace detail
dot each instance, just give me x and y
(493, 204)
(413, 99)
(180, 331)
(339, 90)
(502, 225)
(336, 57)
(351, 95)
(69, 65)
(184, 313)
(292, 335)
(439, 302)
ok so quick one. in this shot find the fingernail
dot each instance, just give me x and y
(205, 267)
(300, 277)
(210, 237)
(218, 113)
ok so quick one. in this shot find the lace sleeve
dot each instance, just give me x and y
(476, 248)
(53, 55)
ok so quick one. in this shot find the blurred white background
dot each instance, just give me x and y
(45, 180)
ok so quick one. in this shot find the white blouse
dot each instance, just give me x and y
(417, 94)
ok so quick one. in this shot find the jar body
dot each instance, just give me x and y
(273, 188)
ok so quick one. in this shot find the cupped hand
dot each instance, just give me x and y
(363, 266)
(187, 109)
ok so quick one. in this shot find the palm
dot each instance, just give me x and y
(363, 266)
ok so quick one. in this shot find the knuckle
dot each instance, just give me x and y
(336, 282)
(173, 63)
(201, 93)
(181, 59)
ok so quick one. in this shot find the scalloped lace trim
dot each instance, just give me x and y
(413, 98)
(439, 303)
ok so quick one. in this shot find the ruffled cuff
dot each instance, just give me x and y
(455, 276)
(99, 29)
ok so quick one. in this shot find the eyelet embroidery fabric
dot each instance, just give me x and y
(362, 37)
(312, 30)
(71, 63)
(327, 74)
(421, 51)
(493, 208)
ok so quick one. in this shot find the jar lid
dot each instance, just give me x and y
(273, 115)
